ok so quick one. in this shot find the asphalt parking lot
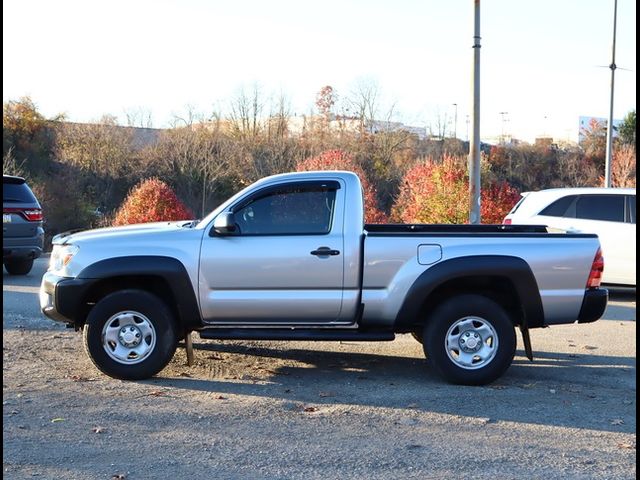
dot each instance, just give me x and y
(317, 409)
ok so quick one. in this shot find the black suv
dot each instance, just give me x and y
(22, 232)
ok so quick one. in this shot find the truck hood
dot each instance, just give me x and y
(73, 236)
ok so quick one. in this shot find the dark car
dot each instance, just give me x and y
(22, 232)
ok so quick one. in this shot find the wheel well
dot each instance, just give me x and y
(155, 285)
(498, 288)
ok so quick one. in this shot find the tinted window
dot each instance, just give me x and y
(631, 201)
(559, 207)
(601, 207)
(294, 210)
(17, 193)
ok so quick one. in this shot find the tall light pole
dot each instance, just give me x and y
(502, 114)
(467, 122)
(607, 163)
(455, 121)
(474, 146)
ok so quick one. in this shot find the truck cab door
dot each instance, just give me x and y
(283, 261)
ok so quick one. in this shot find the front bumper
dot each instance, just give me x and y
(593, 305)
(62, 298)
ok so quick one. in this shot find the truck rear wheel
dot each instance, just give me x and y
(130, 335)
(470, 339)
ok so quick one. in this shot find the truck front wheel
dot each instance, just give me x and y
(470, 339)
(130, 335)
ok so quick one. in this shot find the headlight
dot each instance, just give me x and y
(61, 255)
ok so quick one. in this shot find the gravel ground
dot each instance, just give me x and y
(289, 410)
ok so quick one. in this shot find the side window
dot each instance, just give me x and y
(601, 207)
(631, 202)
(559, 207)
(294, 210)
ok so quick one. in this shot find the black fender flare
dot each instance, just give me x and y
(514, 269)
(169, 269)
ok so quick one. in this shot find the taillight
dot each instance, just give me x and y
(595, 275)
(506, 221)
(32, 214)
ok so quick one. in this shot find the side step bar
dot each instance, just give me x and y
(294, 334)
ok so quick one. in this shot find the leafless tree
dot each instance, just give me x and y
(139, 117)
(103, 151)
(10, 166)
(438, 127)
(189, 117)
(246, 113)
(192, 158)
(363, 103)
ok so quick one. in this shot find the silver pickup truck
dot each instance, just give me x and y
(289, 258)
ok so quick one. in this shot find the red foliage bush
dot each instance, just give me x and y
(339, 160)
(151, 200)
(496, 200)
(439, 193)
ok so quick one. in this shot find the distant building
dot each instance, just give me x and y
(503, 140)
(298, 125)
(544, 142)
(586, 121)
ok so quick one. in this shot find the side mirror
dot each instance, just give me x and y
(224, 224)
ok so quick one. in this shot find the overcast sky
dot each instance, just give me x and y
(541, 61)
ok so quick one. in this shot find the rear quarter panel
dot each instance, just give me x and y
(560, 264)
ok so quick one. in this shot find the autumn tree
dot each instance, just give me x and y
(152, 200)
(325, 100)
(623, 167)
(594, 139)
(339, 160)
(437, 192)
(627, 129)
(26, 133)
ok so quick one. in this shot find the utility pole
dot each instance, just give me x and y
(607, 163)
(474, 146)
(502, 114)
(455, 121)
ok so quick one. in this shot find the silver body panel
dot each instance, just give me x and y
(274, 280)
(561, 267)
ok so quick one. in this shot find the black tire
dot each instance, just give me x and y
(147, 317)
(18, 266)
(418, 336)
(486, 327)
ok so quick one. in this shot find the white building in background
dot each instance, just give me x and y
(586, 121)
(299, 124)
